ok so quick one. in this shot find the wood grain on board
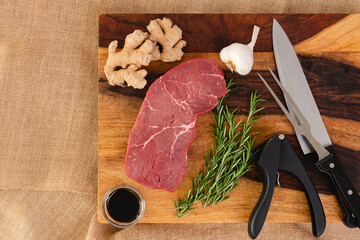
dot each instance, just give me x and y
(328, 47)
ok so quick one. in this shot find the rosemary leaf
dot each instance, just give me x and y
(228, 162)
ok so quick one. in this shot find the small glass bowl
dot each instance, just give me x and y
(123, 224)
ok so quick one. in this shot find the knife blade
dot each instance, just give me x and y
(295, 84)
(294, 81)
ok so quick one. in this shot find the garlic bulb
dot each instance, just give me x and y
(239, 57)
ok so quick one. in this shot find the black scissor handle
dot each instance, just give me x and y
(278, 154)
(268, 164)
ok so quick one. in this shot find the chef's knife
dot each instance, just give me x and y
(294, 82)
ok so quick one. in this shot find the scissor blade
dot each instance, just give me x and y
(293, 79)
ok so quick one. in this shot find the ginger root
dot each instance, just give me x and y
(169, 37)
(140, 49)
(132, 75)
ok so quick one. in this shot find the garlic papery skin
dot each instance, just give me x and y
(239, 57)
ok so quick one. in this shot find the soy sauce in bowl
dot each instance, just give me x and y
(123, 206)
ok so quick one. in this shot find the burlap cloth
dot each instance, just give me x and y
(48, 130)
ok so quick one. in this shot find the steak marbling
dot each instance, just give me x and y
(157, 149)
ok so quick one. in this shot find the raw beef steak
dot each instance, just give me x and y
(165, 127)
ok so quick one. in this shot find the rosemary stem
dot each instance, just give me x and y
(228, 162)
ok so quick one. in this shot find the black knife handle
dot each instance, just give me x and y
(348, 197)
(348, 218)
(260, 211)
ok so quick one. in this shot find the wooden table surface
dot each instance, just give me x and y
(328, 47)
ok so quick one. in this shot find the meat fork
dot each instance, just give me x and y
(303, 127)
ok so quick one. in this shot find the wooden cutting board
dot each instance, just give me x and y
(328, 47)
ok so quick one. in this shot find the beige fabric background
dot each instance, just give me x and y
(48, 116)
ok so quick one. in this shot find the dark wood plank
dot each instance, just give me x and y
(212, 32)
(335, 87)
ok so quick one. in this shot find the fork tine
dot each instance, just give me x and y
(291, 119)
(305, 128)
(291, 101)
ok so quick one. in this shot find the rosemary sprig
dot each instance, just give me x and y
(228, 162)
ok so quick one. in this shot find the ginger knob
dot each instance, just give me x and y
(140, 49)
